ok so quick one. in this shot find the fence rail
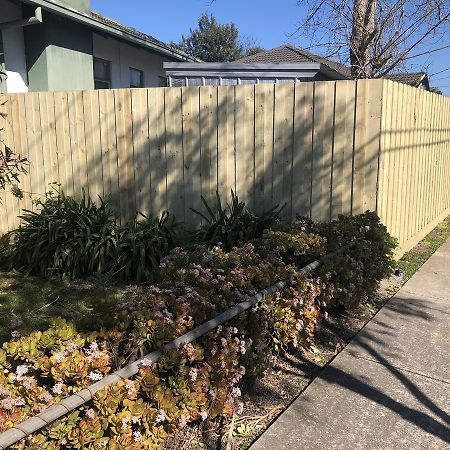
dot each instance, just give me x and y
(323, 148)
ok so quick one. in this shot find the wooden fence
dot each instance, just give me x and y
(321, 148)
(414, 165)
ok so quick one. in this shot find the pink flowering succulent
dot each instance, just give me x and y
(202, 379)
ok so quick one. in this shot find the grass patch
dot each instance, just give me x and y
(411, 261)
(28, 303)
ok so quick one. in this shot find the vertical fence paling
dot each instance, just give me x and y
(322, 148)
(413, 194)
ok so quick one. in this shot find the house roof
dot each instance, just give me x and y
(289, 54)
(112, 27)
(131, 31)
(412, 79)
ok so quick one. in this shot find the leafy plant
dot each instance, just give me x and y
(202, 379)
(11, 164)
(142, 244)
(352, 276)
(242, 430)
(233, 224)
(73, 239)
(65, 237)
(4, 249)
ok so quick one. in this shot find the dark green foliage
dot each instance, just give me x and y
(4, 250)
(65, 237)
(142, 244)
(213, 42)
(234, 224)
(74, 239)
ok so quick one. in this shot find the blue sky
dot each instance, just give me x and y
(269, 23)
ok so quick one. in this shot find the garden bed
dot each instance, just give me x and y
(293, 372)
(222, 389)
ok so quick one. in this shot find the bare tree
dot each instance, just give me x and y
(375, 36)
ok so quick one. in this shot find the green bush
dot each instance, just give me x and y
(4, 250)
(73, 239)
(142, 244)
(233, 224)
(65, 237)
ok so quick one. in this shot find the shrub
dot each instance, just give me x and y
(234, 224)
(294, 245)
(74, 239)
(66, 237)
(353, 276)
(202, 379)
(4, 250)
(142, 244)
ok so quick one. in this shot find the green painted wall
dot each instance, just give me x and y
(59, 55)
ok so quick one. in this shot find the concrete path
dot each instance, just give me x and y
(390, 387)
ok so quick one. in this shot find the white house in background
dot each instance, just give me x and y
(49, 45)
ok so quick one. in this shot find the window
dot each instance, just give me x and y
(136, 78)
(102, 74)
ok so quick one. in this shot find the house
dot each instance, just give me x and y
(281, 64)
(48, 45)
(418, 80)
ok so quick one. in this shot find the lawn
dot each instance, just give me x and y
(29, 303)
(413, 259)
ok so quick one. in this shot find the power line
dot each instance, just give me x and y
(442, 78)
(437, 73)
(427, 52)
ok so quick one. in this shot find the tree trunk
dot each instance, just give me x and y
(363, 33)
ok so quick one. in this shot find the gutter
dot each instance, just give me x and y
(65, 406)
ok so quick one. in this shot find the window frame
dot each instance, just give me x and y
(106, 81)
(141, 73)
